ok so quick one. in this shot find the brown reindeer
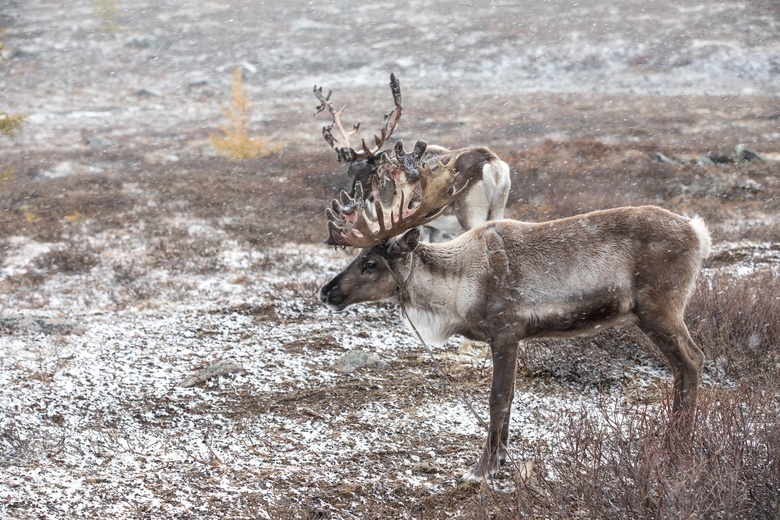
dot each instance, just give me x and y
(487, 176)
(505, 281)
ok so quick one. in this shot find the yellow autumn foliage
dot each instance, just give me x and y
(236, 142)
(10, 123)
(107, 11)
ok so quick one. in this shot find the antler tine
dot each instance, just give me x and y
(417, 200)
(391, 119)
(339, 140)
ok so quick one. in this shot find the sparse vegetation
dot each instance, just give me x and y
(627, 467)
(610, 459)
(9, 125)
(107, 11)
(6, 174)
(236, 141)
(170, 258)
(736, 320)
(70, 259)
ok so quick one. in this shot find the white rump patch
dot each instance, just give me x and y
(705, 243)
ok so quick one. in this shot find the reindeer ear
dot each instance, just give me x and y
(406, 243)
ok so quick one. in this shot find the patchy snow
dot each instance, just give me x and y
(82, 413)
(96, 422)
(93, 422)
(747, 257)
(20, 252)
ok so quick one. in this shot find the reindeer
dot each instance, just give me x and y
(506, 280)
(487, 175)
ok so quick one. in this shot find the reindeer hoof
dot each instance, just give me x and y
(476, 474)
(524, 470)
(470, 476)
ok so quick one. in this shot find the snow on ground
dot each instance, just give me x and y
(94, 421)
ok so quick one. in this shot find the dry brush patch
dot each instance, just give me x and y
(211, 235)
(630, 465)
(268, 200)
(736, 321)
(562, 178)
(622, 459)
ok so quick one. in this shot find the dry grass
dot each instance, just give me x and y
(10, 123)
(594, 465)
(556, 179)
(71, 258)
(736, 321)
(630, 466)
(270, 200)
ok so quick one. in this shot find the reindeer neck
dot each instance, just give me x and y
(436, 275)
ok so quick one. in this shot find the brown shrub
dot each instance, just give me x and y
(561, 178)
(631, 466)
(736, 321)
(68, 259)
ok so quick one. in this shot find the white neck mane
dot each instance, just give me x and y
(433, 328)
(438, 298)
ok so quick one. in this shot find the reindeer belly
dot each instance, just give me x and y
(581, 316)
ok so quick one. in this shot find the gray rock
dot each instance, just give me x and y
(750, 186)
(29, 51)
(100, 141)
(661, 157)
(704, 160)
(744, 154)
(148, 92)
(145, 42)
(357, 359)
(223, 368)
(43, 324)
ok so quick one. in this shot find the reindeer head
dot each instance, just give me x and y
(371, 276)
(388, 235)
(363, 161)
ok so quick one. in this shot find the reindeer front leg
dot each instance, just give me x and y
(502, 391)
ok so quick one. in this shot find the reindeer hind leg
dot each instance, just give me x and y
(670, 335)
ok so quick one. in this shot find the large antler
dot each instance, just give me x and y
(421, 192)
(339, 140)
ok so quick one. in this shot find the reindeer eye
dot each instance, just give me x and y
(370, 265)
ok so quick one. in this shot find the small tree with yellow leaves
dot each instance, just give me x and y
(9, 124)
(108, 12)
(236, 142)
